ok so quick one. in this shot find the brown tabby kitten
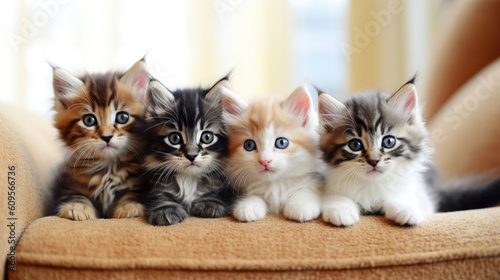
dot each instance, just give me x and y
(98, 116)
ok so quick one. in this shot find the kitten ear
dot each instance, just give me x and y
(65, 86)
(138, 78)
(405, 100)
(329, 108)
(232, 104)
(299, 104)
(158, 97)
(218, 89)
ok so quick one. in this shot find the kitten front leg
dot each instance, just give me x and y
(303, 206)
(250, 208)
(162, 209)
(128, 207)
(340, 211)
(209, 206)
(77, 208)
(403, 213)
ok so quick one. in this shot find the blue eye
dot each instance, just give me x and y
(89, 120)
(388, 142)
(281, 143)
(249, 145)
(355, 145)
(174, 138)
(207, 137)
(122, 117)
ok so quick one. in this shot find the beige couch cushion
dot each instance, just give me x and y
(462, 245)
(466, 43)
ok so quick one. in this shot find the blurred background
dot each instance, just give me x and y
(271, 46)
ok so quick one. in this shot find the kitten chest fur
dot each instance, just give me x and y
(370, 195)
(277, 193)
(188, 187)
(107, 183)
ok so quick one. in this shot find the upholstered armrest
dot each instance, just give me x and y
(28, 157)
(465, 131)
(465, 44)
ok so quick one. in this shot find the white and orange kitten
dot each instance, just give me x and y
(274, 162)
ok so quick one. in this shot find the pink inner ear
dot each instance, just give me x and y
(322, 109)
(230, 106)
(301, 107)
(59, 86)
(142, 81)
(410, 102)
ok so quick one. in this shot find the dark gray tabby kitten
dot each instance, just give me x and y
(379, 162)
(187, 144)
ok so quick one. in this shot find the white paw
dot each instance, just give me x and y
(403, 215)
(302, 212)
(249, 211)
(341, 215)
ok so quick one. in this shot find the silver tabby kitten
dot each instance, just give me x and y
(379, 162)
(187, 144)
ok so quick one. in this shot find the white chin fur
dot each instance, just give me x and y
(193, 170)
(201, 167)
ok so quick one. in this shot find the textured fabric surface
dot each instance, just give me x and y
(55, 248)
(460, 269)
(27, 142)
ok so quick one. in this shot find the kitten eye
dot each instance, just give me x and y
(207, 137)
(249, 145)
(174, 138)
(355, 145)
(89, 120)
(122, 117)
(281, 143)
(388, 142)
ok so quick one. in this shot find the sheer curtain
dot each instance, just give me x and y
(270, 46)
(388, 42)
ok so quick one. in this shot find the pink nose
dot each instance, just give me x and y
(265, 163)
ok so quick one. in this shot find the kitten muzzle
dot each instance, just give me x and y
(372, 162)
(191, 157)
(265, 163)
(106, 138)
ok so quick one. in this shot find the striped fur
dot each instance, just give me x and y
(186, 178)
(375, 178)
(100, 177)
(269, 179)
(397, 181)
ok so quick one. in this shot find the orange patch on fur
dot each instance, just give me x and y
(262, 115)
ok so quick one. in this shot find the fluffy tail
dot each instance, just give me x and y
(468, 195)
